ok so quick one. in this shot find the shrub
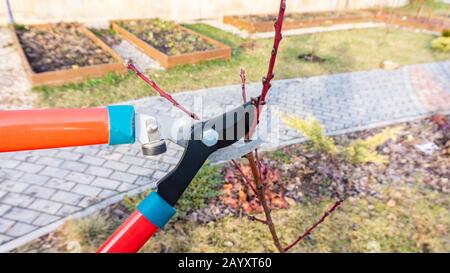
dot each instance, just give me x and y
(202, 188)
(446, 32)
(359, 151)
(441, 44)
(313, 131)
(364, 150)
(86, 234)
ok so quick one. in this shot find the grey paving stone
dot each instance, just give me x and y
(92, 160)
(60, 184)
(126, 187)
(10, 174)
(50, 161)
(68, 210)
(139, 170)
(22, 215)
(99, 171)
(115, 165)
(106, 193)
(4, 239)
(108, 155)
(88, 201)
(105, 183)
(87, 150)
(86, 190)
(133, 160)
(46, 206)
(29, 167)
(44, 219)
(4, 208)
(67, 197)
(80, 177)
(9, 163)
(13, 186)
(74, 166)
(19, 229)
(38, 191)
(35, 179)
(5, 224)
(16, 199)
(145, 180)
(68, 155)
(124, 177)
(54, 172)
(159, 174)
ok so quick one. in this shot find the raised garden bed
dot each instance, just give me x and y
(170, 44)
(63, 53)
(264, 23)
(405, 20)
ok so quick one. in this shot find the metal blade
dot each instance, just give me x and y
(237, 150)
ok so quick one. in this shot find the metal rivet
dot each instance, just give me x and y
(210, 137)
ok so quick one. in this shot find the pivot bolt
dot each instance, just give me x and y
(210, 137)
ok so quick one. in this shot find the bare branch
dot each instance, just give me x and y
(316, 224)
(244, 177)
(262, 199)
(276, 42)
(243, 78)
(161, 92)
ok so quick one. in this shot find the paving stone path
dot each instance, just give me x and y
(39, 189)
(15, 90)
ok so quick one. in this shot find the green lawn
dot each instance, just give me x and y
(431, 8)
(404, 219)
(351, 50)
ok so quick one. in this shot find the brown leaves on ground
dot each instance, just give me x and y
(239, 196)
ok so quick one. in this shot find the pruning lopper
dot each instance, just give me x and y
(217, 139)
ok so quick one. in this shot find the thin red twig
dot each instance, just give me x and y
(276, 42)
(244, 176)
(161, 92)
(316, 224)
(258, 161)
(243, 78)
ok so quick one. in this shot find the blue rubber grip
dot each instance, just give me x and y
(121, 124)
(156, 210)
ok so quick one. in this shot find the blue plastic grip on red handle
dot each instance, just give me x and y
(155, 209)
(121, 124)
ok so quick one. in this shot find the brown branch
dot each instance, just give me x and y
(258, 162)
(262, 199)
(244, 177)
(316, 224)
(161, 92)
(256, 170)
(276, 42)
(243, 78)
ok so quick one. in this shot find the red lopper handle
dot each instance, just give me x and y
(130, 236)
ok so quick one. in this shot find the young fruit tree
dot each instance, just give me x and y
(256, 181)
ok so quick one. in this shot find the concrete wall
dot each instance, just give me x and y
(39, 11)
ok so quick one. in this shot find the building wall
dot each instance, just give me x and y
(40, 11)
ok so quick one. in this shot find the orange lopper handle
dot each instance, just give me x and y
(53, 128)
